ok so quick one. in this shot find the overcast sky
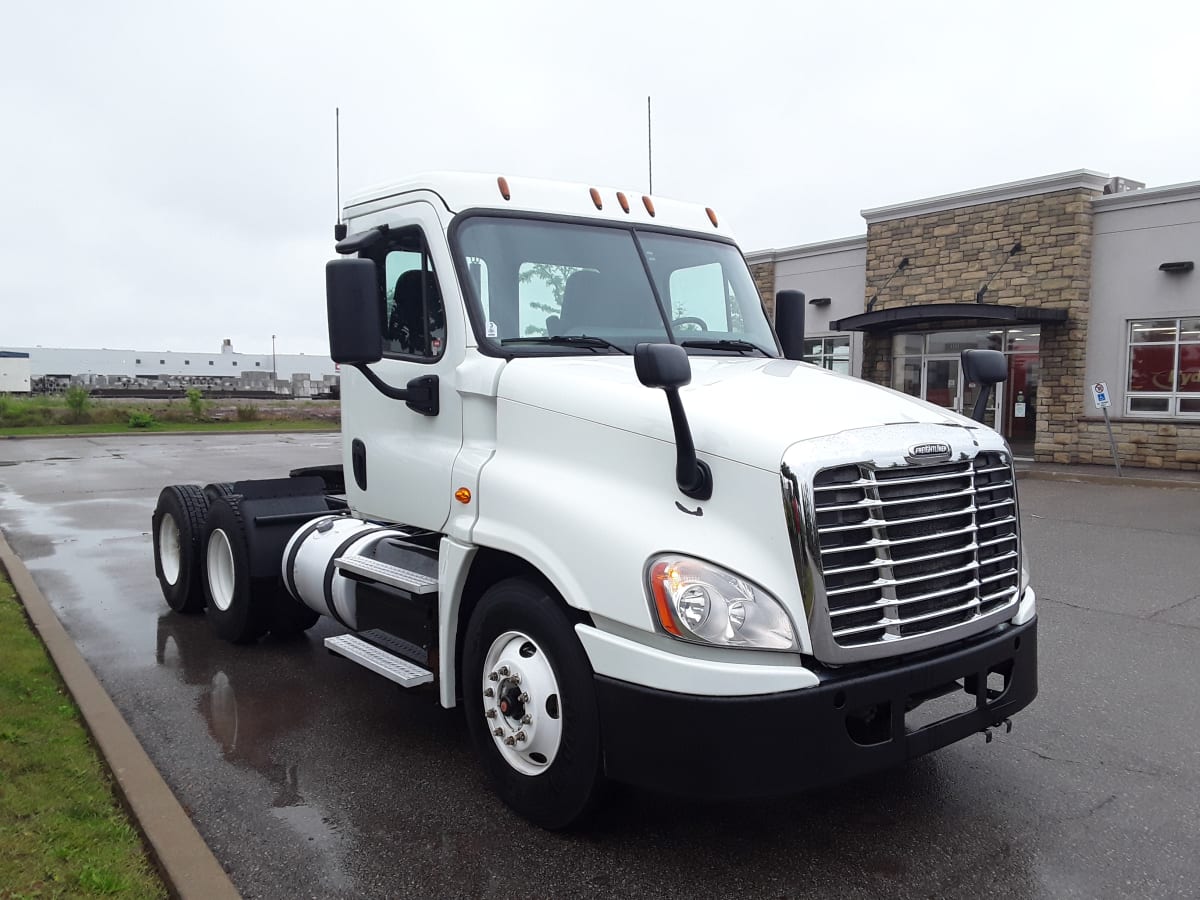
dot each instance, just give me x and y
(167, 177)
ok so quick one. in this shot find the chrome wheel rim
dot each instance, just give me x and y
(522, 706)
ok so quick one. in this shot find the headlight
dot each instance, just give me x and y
(697, 601)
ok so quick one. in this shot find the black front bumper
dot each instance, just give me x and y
(848, 725)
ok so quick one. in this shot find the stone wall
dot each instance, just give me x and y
(764, 279)
(1151, 445)
(953, 252)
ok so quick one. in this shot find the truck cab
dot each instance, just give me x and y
(590, 496)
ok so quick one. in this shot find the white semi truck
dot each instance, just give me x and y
(592, 497)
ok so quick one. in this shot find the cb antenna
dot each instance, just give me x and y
(339, 230)
(649, 145)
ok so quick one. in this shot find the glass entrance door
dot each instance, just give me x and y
(943, 383)
(945, 386)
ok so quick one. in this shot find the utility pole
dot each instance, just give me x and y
(274, 372)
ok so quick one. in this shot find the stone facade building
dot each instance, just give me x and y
(1077, 277)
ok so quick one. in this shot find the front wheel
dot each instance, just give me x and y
(531, 704)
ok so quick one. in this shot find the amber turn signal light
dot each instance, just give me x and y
(462, 495)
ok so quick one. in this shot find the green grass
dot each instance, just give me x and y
(111, 427)
(62, 832)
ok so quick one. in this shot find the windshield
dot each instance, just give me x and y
(540, 286)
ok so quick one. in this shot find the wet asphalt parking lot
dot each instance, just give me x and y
(310, 776)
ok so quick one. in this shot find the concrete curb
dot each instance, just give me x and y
(185, 862)
(1090, 478)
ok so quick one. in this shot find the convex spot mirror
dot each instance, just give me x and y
(354, 312)
(662, 365)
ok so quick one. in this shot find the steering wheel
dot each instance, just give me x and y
(689, 320)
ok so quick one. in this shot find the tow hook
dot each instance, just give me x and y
(987, 732)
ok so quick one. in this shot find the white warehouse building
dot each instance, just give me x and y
(294, 373)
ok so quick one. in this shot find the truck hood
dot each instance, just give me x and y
(748, 410)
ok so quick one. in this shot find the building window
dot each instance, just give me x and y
(138, 362)
(162, 362)
(1164, 368)
(210, 362)
(829, 353)
(258, 364)
(187, 362)
(235, 362)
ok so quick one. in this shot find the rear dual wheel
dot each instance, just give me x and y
(241, 608)
(177, 529)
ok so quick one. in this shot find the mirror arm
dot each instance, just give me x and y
(981, 402)
(693, 475)
(421, 394)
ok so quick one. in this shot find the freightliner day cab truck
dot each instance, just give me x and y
(592, 497)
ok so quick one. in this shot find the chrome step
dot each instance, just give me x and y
(366, 569)
(393, 668)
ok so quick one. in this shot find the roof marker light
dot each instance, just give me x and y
(712, 216)
(648, 203)
(623, 200)
(596, 198)
(502, 183)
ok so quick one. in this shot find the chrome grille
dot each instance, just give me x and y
(908, 550)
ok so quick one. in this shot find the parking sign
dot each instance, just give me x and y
(1100, 395)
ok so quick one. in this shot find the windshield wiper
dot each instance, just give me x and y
(726, 344)
(568, 340)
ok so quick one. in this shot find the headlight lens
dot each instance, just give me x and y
(697, 601)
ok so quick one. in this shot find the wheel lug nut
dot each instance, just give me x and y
(492, 676)
(520, 735)
(524, 698)
(516, 679)
(489, 693)
(491, 714)
(503, 670)
(526, 719)
(496, 732)
(509, 741)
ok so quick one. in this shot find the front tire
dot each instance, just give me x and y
(235, 611)
(177, 529)
(531, 704)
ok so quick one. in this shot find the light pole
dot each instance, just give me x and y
(274, 373)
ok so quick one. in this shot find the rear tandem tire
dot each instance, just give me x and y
(239, 608)
(177, 529)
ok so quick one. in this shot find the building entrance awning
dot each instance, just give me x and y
(951, 315)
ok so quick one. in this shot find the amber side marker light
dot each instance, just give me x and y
(596, 198)
(659, 575)
(623, 200)
(648, 203)
(712, 216)
(502, 183)
(462, 495)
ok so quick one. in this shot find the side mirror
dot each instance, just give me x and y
(666, 366)
(662, 365)
(986, 368)
(789, 323)
(352, 306)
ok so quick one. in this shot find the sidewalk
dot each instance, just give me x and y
(1160, 478)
